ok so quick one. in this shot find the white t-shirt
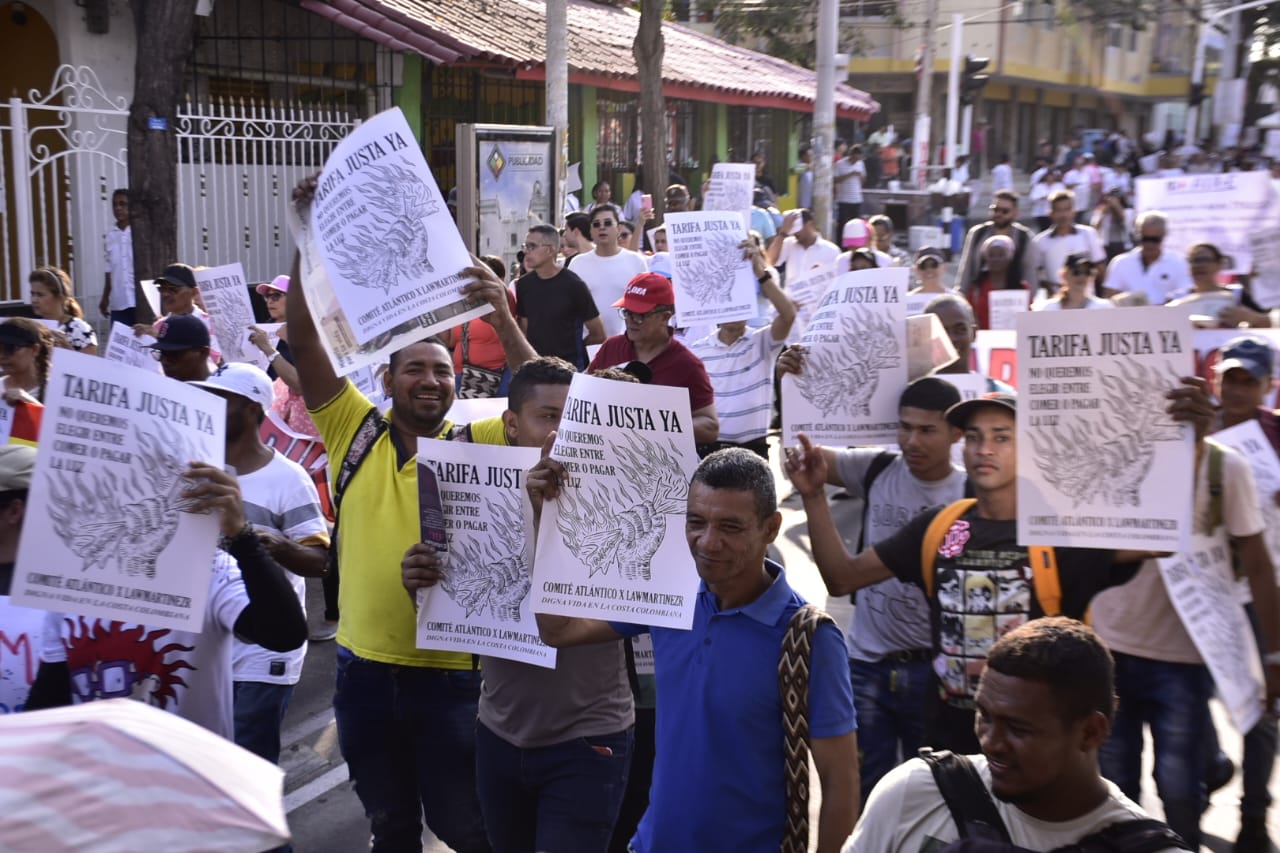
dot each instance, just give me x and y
(279, 497)
(20, 632)
(891, 616)
(1168, 278)
(1138, 618)
(1051, 250)
(1001, 177)
(849, 191)
(118, 246)
(741, 374)
(1055, 304)
(177, 671)
(607, 279)
(798, 258)
(906, 814)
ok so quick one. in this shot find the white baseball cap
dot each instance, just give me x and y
(246, 380)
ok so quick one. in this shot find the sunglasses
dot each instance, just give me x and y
(1152, 238)
(273, 296)
(928, 264)
(1204, 259)
(608, 223)
(639, 318)
(1001, 210)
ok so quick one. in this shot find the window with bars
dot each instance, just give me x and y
(616, 147)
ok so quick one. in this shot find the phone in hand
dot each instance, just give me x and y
(646, 201)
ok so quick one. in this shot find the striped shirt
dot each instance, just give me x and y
(741, 374)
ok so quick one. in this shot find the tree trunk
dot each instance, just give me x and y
(647, 50)
(164, 46)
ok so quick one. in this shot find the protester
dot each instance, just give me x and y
(179, 295)
(928, 270)
(803, 250)
(961, 327)
(1150, 268)
(288, 402)
(51, 299)
(740, 364)
(405, 716)
(553, 746)
(1049, 248)
(119, 287)
(479, 362)
(983, 562)
(182, 347)
(646, 308)
(1113, 219)
(26, 348)
(576, 238)
(21, 626)
(676, 199)
(249, 597)
(601, 193)
(849, 174)
(1045, 705)
(858, 235)
(1003, 221)
(882, 234)
(804, 177)
(718, 682)
(1044, 184)
(1209, 297)
(554, 306)
(608, 267)
(996, 252)
(1077, 287)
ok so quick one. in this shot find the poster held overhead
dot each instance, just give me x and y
(226, 297)
(612, 545)
(121, 543)
(732, 187)
(134, 350)
(714, 282)
(1100, 462)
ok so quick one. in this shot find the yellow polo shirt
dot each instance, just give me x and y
(379, 522)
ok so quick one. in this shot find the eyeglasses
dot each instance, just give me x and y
(928, 264)
(273, 296)
(1152, 238)
(1204, 259)
(168, 288)
(530, 247)
(639, 318)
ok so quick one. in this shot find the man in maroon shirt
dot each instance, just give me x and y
(646, 308)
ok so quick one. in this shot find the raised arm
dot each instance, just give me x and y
(486, 285)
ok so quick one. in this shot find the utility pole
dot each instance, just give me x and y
(558, 96)
(824, 113)
(953, 87)
(924, 96)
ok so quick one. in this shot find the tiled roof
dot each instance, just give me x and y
(512, 32)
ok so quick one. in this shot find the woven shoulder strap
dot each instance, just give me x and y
(793, 685)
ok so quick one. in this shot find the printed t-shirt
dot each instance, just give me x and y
(280, 497)
(556, 309)
(742, 375)
(983, 589)
(675, 366)
(1138, 618)
(379, 521)
(906, 814)
(177, 671)
(891, 616)
(718, 781)
(20, 637)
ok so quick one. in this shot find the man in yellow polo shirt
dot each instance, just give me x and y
(406, 716)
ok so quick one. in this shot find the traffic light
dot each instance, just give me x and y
(971, 80)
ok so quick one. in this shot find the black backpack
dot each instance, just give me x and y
(983, 831)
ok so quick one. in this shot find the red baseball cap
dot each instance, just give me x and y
(646, 292)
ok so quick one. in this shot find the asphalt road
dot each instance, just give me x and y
(326, 816)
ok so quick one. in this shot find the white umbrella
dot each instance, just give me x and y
(119, 775)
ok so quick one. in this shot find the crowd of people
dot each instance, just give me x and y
(974, 651)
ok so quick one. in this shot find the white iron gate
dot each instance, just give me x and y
(65, 152)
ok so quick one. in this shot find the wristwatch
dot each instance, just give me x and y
(226, 543)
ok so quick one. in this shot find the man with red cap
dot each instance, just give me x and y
(646, 309)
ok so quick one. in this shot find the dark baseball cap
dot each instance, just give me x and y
(959, 414)
(21, 334)
(179, 274)
(1247, 353)
(179, 332)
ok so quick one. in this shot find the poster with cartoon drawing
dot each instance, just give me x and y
(855, 363)
(384, 236)
(612, 546)
(732, 187)
(482, 605)
(226, 297)
(1252, 443)
(714, 282)
(1100, 462)
(806, 288)
(120, 542)
(1200, 584)
(134, 350)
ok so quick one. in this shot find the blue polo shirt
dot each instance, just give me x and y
(718, 781)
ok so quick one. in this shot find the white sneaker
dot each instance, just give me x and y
(323, 632)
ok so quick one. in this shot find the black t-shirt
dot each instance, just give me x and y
(983, 589)
(556, 309)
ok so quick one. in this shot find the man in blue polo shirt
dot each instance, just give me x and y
(718, 782)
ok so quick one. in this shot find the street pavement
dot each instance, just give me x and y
(326, 817)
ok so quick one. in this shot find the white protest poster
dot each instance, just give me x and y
(226, 298)
(118, 542)
(642, 651)
(1222, 209)
(970, 385)
(612, 546)
(806, 289)
(1252, 443)
(482, 606)
(917, 301)
(467, 409)
(1100, 462)
(125, 347)
(855, 363)
(732, 187)
(1005, 305)
(995, 354)
(384, 237)
(253, 355)
(151, 292)
(1203, 592)
(1264, 286)
(714, 283)
(928, 345)
(6, 421)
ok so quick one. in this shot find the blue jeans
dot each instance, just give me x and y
(1173, 699)
(562, 798)
(259, 711)
(892, 704)
(408, 737)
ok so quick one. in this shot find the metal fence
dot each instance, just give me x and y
(65, 151)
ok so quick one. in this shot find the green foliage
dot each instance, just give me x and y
(787, 29)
